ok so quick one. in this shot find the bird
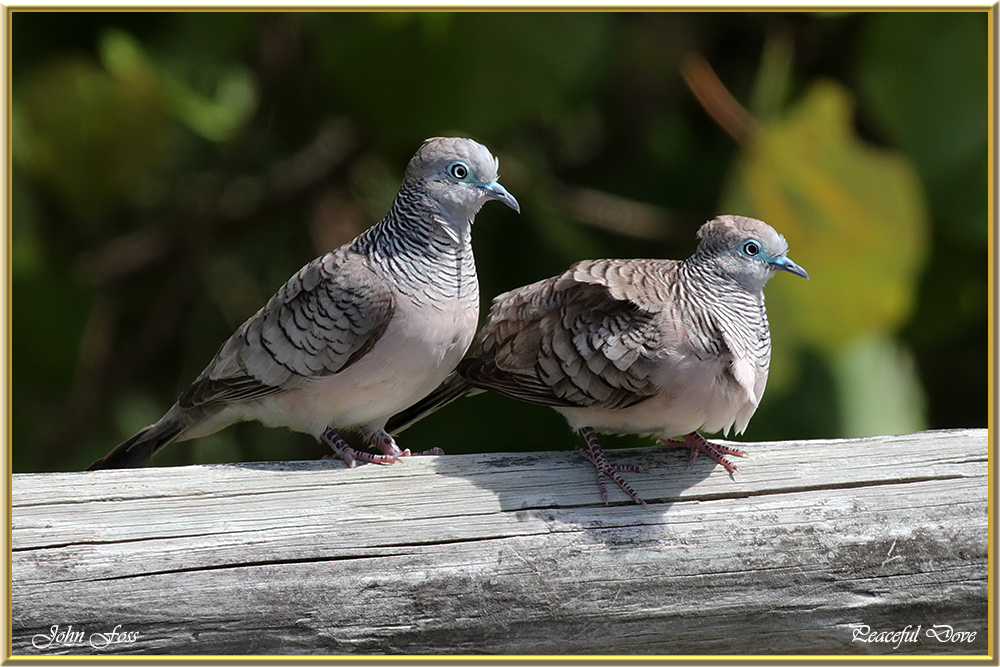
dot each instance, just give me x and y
(358, 333)
(656, 347)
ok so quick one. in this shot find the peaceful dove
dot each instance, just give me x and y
(642, 346)
(358, 334)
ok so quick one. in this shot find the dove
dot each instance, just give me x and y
(665, 348)
(359, 333)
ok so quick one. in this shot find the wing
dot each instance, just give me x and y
(326, 317)
(587, 338)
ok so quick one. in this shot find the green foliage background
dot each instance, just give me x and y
(171, 170)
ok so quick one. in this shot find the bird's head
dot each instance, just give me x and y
(460, 175)
(746, 249)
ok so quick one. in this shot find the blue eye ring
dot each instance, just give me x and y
(751, 248)
(459, 170)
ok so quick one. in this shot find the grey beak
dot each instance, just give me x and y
(500, 193)
(786, 264)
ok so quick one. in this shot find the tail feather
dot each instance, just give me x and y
(138, 449)
(453, 387)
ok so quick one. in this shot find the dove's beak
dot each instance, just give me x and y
(786, 264)
(499, 192)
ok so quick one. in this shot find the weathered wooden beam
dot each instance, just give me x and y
(515, 554)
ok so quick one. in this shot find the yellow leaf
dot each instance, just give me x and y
(854, 216)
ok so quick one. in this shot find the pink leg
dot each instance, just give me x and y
(697, 443)
(595, 455)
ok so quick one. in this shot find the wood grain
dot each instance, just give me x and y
(514, 554)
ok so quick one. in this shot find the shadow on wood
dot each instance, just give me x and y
(515, 554)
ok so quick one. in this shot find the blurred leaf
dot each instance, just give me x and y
(879, 390)
(774, 76)
(924, 81)
(91, 138)
(854, 217)
(123, 57)
(215, 119)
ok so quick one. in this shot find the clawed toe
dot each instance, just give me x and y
(697, 443)
(385, 443)
(615, 467)
(433, 451)
(351, 456)
(383, 459)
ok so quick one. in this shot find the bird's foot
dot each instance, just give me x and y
(697, 443)
(351, 455)
(595, 455)
(384, 442)
(387, 444)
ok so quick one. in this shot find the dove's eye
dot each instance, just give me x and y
(458, 170)
(751, 248)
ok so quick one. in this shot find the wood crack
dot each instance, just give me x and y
(393, 550)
